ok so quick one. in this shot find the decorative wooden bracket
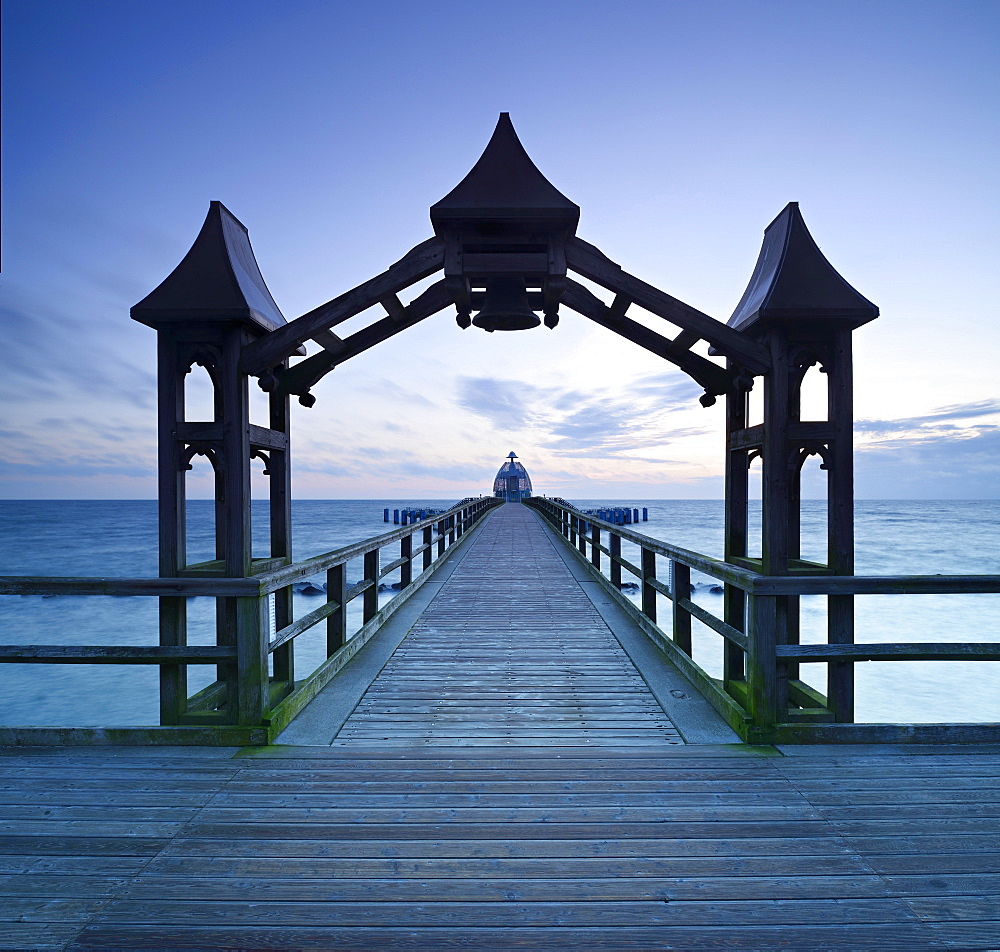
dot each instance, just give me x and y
(208, 450)
(715, 379)
(304, 375)
(585, 259)
(272, 349)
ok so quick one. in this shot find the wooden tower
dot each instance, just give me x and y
(205, 312)
(799, 308)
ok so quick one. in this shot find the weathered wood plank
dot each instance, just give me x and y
(904, 937)
(892, 651)
(463, 915)
(115, 654)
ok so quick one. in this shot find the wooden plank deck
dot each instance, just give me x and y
(459, 838)
(510, 652)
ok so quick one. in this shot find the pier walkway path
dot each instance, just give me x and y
(509, 765)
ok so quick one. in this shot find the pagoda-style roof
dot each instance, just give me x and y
(505, 185)
(793, 281)
(218, 279)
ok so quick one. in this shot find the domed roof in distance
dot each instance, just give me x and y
(512, 470)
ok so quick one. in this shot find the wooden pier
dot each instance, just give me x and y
(506, 777)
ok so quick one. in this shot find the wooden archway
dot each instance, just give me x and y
(506, 221)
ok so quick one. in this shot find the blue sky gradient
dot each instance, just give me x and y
(329, 128)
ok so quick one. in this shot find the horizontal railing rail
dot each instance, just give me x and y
(761, 693)
(244, 640)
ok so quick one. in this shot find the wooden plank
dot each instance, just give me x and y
(895, 936)
(501, 914)
(115, 654)
(399, 865)
(128, 736)
(189, 587)
(492, 888)
(892, 651)
(875, 585)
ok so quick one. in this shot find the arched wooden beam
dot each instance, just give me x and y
(715, 379)
(585, 259)
(270, 350)
(300, 378)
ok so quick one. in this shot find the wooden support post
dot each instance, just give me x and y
(681, 588)
(737, 502)
(648, 564)
(441, 537)
(406, 569)
(615, 545)
(283, 658)
(840, 515)
(173, 527)
(762, 681)
(582, 537)
(251, 651)
(280, 515)
(595, 546)
(336, 621)
(428, 553)
(371, 569)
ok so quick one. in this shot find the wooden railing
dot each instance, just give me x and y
(761, 694)
(246, 704)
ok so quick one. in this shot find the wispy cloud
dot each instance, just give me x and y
(505, 403)
(936, 422)
(577, 423)
(46, 352)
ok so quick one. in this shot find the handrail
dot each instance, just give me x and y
(762, 691)
(241, 651)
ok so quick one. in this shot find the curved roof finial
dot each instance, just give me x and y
(506, 185)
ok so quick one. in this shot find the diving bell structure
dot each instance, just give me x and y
(512, 483)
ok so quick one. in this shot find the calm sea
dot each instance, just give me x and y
(110, 538)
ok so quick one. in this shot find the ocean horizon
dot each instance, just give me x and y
(118, 538)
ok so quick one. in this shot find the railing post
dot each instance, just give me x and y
(406, 569)
(370, 605)
(681, 588)
(615, 546)
(840, 674)
(595, 546)
(460, 523)
(441, 537)
(648, 563)
(336, 621)
(582, 536)
(451, 529)
(734, 612)
(251, 660)
(283, 660)
(428, 550)
(565, 523)
(762, 671)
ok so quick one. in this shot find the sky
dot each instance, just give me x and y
(680, 127)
